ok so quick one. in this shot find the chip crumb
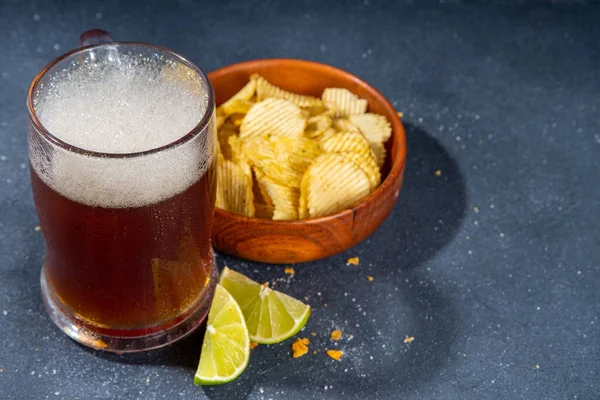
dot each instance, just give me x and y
(304, 341)
(400, 114)
(408, 339)
(300, 347)
(36, 349)
(370, 278)
(266, 284)
(325, 305)
(148, 380)
(335, 354)
(253, 345)
(336, 334)
(476, 209)
(37, 228)
(537, 366)
(289, 271)
(315, 352)
(353, 261)
(438, 172)
(1, 369)
(351, 337)
(314, 333)
(464, 354)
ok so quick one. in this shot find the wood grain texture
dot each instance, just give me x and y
(284, 242)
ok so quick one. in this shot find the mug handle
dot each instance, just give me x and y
(94, 36)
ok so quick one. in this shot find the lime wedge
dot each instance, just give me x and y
(226, 346)
(271, 316)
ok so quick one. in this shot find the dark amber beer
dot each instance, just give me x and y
(122, 146)
(128, 268)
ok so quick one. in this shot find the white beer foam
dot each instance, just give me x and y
(124, 104)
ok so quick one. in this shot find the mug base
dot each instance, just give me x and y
(123, 340)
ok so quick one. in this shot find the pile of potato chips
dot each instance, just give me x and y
(286, 156)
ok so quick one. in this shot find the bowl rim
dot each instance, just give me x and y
(397, 167)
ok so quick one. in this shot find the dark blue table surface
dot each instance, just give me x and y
(492, 267)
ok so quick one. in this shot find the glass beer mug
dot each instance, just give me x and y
(122, 148)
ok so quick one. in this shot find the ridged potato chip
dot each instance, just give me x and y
(305, 113)
(263, 205)
(300, 151)
(237, 119)
(347, 141)
(319, 110)
(317, 125)
(375, 127)
(236, 107)
(344, 125)
(284, 198)
(230, 126)
(234, 188)
(260, 193)
(331, 184)
(220, 158)
(245, 93)
(303, 200)
(265, 89)
(326, 135)
(238, 156)
(273, 116)
(379, 152)
(223, 135)
(220, 120)
(283, 159)
(368, 165)
(344, 102)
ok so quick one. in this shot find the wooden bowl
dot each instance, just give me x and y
(284, 242)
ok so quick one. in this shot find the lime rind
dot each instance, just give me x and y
(271, 316)
(226, 347)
